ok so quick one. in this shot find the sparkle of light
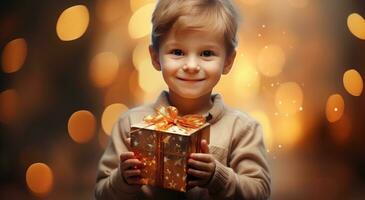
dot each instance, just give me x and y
(140, 22)
(353, 82)
(39, 179)
(72, 23)
(335, 107)
(110, 116)
(288, 98)
(356, 25)
(81, 126)
(271, 60)
(104, 69)
(14, 55)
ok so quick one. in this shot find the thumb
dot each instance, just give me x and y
(204, 146)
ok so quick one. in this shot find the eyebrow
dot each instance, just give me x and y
(208, 45)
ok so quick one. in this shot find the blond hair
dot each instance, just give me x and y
(216, 16)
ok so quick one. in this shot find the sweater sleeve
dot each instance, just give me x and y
(247, 175)
(110, 184)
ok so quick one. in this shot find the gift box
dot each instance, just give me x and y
(163, 143)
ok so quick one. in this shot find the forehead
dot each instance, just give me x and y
(194, 36)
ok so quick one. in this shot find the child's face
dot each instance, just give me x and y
(192, 62)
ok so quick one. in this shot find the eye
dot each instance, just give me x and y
(207, 53)
(177, 52)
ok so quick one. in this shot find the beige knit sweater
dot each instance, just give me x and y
(235, 142)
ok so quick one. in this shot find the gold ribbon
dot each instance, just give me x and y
(165, 117)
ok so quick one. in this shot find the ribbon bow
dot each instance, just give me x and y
(165, 117)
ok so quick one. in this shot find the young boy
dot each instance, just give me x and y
(193, 44)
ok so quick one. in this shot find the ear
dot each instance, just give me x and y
(154, 58)
(228, 63)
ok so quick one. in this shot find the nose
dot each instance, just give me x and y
(191, 65)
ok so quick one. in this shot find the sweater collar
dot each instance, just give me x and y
(212, 116)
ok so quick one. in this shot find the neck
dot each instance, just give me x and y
(185, 106)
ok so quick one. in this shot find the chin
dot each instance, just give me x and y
(190, 94)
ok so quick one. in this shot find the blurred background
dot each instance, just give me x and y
(70, 68)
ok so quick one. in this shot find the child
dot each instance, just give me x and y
(193, 44)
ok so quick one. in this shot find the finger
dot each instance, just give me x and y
(202, 157)
(135, 180)
(126, 155)
(130, 164)
(196, 183)
(128, 141)
(131, 172)
(196, 164)
(204, 146)
(199, 174)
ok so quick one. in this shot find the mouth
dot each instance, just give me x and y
(190, 79)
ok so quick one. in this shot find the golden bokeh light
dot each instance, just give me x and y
(141, 54)
(271, 60)
(39, 178)
(150, 80)
(356, 25)
(109, 10)
(135, 5)
(335, 107)
(289, 98)
(298, 3)
(288, 130)
(110, 116)
(14, 55)
(81, 126)
(104, 69)
(266, 126)
(353, 82)
(241, 84)
(72, 23)
(140, 22)
(9, 105)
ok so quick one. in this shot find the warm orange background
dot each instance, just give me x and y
(69, 68)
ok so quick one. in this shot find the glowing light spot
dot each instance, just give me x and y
(135, 5)
(9, 105)
(353, 82)
(289, 131)
(81, 126)
(266, 126)
(39, 178)
(271, 60)
(356, 25)
(335, 107)
(104, 68)
(141, 54)
(14, 55)
(109, 10)
(140, 22)
(72, 23)
(150, 80)
(110, 116)
(288, 98)
(298, 3)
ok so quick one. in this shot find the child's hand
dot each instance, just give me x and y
(202, 166)
(129, 167)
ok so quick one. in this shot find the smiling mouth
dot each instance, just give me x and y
(190, 80)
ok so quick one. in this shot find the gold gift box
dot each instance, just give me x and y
(164, 153)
